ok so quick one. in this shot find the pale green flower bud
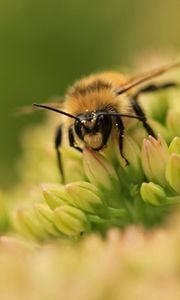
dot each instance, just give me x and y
(173, 122)
(153, 193)
(173, 171)
(85, 196)
(56, 195)
(174, 147)
(99, 170)
(132, 153)
(154, 157)
(70, 220)
(26, 223)
(45, 216)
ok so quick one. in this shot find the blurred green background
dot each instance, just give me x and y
(47, 44)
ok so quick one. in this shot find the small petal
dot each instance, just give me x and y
(153, 193)
(174, 147)
(85, 196)
(154, 157)
(173, 172)
(70, 220)
(98, 169)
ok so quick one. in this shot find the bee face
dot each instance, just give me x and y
(93, 129)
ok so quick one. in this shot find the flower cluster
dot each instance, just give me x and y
(100, 190)
(134, 264)
(111, 196)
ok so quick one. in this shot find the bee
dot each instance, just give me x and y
(99, 104)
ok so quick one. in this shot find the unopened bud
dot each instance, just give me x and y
(70, 220)
(55, 195)
(173, 171)
(153, 193)
(26, 222)
(99, 170)
(85, 196)
(174, 147)
(45, 216)
(154, 157)
(132, 153)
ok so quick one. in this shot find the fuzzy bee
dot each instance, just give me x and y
(101, 103)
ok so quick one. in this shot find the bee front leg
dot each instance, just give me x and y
(72, 142)
(57, 144)
(121, 138)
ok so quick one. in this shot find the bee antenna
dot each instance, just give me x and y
(57, 110)
(122, 115)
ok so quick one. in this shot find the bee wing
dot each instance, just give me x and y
(145, 77)
(55, 102)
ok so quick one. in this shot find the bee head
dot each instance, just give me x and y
(93, 129)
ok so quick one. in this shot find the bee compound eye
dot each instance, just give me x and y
(78, 129)
(103, 122)
(104, 125)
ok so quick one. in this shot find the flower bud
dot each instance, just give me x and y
(153, 193)
(70, 220)
(132, 153)
(55, 195)
(173, 122)
(45, 216)
(154, 157)
(173, 171)
(85, 196)
(174, 147)
(98, 169)
(26, 222)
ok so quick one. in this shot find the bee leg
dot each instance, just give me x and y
(57, 144)
(157, 87)
(121, 138)
(148, 89)
(139, 112)
(72, 140)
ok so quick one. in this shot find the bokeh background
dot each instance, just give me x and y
(47, 44)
